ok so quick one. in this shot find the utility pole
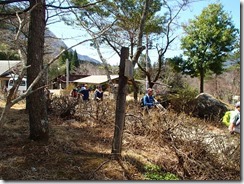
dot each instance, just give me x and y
(67, 73)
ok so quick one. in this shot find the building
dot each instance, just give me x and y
(7, 69)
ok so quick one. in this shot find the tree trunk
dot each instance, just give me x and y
(120, 106)
(39, 129)
(136, 89)
(201, 81)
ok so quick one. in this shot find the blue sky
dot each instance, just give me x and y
(72, 36)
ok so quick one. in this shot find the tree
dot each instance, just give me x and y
(126, 20)
(9, 26)
(209, 38)
(36, 103)
(132, 23)
(32, 17)
(235, 56)
(235, 59)
(6, 53)
(20, 13)
(165, 33)
(75, 60)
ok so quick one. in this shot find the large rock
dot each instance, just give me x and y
(208, 107)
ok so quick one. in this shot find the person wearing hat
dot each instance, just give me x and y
(235, 119)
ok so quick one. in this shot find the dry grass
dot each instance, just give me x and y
(79, 148)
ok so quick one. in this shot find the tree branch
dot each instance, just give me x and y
(76, 7)
(3, 2)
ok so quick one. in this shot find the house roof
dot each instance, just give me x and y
(62, 78)
(7, 65)
(96, 79)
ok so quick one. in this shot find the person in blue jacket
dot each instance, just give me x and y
(84, 91)
(148, 99)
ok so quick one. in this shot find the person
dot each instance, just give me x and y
(84, 91)
(74, 92)
(235, 119)
(98, 94)
(148, 99)
(150, 102)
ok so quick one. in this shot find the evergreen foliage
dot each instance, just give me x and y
(74, 61)
(208, 41)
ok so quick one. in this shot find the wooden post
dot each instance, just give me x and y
(120, 106)
(67, 73)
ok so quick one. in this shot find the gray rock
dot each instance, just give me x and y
(208, 107)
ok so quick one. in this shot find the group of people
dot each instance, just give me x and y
(150, 102)
(84, 92)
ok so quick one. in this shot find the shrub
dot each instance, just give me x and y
(182, 100)
(153, 172)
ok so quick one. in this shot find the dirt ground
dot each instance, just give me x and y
(76, 151)
(79, 149)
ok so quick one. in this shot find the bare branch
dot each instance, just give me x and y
(140, 48)
(94, 38)
(12, 1)
(10, 102)
(76, 7)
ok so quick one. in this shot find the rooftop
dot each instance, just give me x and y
(8, 65)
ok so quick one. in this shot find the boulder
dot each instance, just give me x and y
(208, 107)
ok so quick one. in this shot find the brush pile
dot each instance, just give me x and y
(80, 145)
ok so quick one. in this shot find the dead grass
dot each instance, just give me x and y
(79, 148)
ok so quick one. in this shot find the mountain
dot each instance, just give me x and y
(54, 46)
(230, 63)
(87, 58)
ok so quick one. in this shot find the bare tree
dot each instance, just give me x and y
(170, 25)
(36, 70)
(129, 24)
(133, 23)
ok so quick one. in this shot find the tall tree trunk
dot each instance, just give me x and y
(120, 106)
(140, 48)
(136, 90)
(216, 86)
(201, 81)
(39, 129)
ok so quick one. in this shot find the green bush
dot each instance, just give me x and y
(182, 100)
(153, 172)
